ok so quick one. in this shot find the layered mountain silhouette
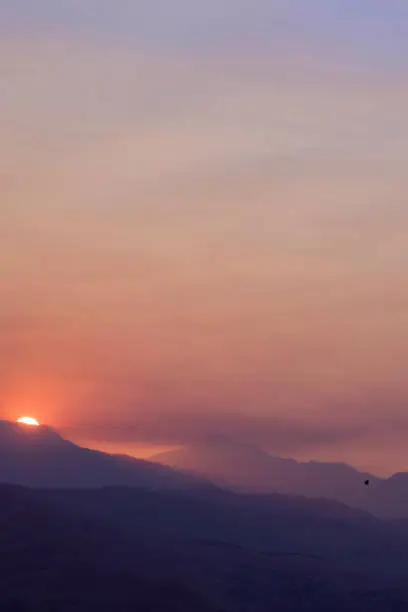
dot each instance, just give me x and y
(248, 468)
(40, 457)
(98, 532)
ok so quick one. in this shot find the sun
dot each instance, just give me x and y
(26, 420)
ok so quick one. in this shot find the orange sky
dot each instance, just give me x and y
(208, 245)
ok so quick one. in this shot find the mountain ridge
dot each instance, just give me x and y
(41, 457)
(247, 468)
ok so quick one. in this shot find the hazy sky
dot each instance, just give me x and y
(204, 223)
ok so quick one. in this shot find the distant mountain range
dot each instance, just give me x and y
(242, 467)
(100, 533)
(40, 457)
(247, 468)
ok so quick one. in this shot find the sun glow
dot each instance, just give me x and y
(28, 421)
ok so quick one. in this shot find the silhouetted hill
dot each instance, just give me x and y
(273, 524)
(108, 550)
(51, 562)
(40, 457)
(248, 468)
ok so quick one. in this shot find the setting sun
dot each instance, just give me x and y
(28, 421)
